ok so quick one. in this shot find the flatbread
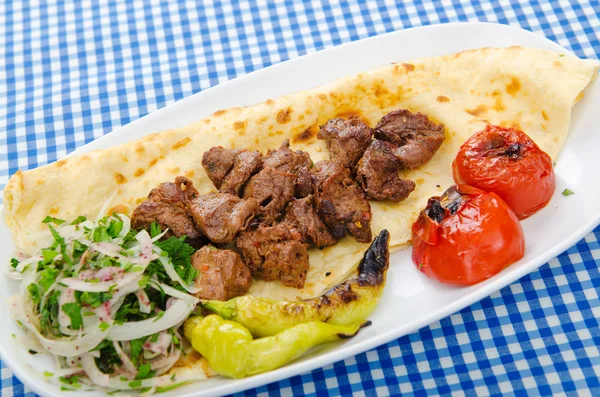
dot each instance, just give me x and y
(531, 89)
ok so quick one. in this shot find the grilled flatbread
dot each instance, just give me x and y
(531, 89)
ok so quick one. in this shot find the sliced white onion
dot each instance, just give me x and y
(114, 251)
(103, 286)
(160, 346)
(30, 343)
(127, 364)
(93, 372)
(13, 275)
(125, 229)
(89, 366)
(104, 208)
(173, 275)
(175, 293)
(138, 329)
(29, 261)
(64, 346)
(104, 311)
(158, 237)
(145, 244)
(67, 372)
(143, 301)
(109, 273)
(162, 365)
(66, 296)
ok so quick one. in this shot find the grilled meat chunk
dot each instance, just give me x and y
(346, 139)
(377, 173)
(340, 201)
(222, 274)
(418, 138)
(275, 253)
(230, 169)
(272, 189)
(294, 162)
(303, 215)
(166, 205)
(221, 216)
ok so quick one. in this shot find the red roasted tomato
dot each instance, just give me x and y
(507, 162)
(466, 236)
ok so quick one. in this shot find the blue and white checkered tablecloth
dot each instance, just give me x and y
(75, 70)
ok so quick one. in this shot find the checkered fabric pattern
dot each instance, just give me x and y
(75, 70)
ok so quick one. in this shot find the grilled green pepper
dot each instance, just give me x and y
(231, 350)
(347, 303)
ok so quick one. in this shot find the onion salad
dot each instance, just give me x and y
(105, 302)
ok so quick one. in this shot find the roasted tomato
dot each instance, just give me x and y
(466, 236)
(507, 162)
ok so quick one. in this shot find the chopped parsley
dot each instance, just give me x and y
(73, 310)
(145, 371)
(180, 254)
(71, 255)
(50, 219)
(14, 263)
(567, 192)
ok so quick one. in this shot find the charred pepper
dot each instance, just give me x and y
(232, 351)
(347, 303)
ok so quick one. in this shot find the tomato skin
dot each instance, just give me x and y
(507, 162)
(470, 245)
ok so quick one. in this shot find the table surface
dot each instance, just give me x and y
(74, 71)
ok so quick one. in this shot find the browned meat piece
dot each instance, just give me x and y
(377, 173)
(166, 206)
(303, 215)
(298, 163)
(346, 139)
(418, 138)
(275, 253)
(222, 275)
(272, 189)
(340, 202)
(221, 216)
(217, 163)
(229, 169)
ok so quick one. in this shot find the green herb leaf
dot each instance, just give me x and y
(155, 229)
(158, 317)
(144, 371)
(136, 348)
(73, 310)
(135, 384)
(567, 192)
(164, 389)
(47, 277)
(100, 234)
(115, 228)
(78, 220)
(59, 241)
(50, 219)
(48, 255)
(36, 293)
(93, 299)
(180, 254)
(143, 281)
(14, 263)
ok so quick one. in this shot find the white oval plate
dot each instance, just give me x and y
(410, 301)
